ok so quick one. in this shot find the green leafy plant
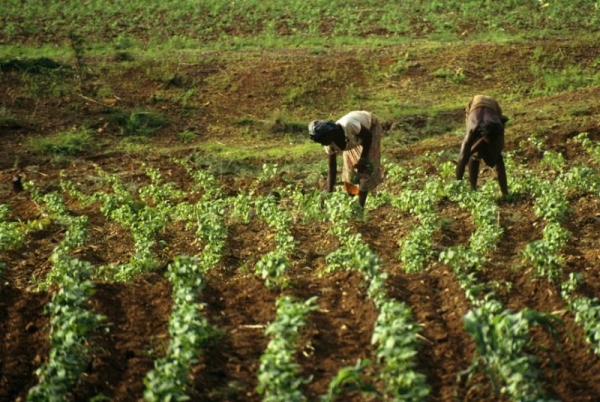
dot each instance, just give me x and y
(501, 338)
(272, 266)
(144, 220)
(586, 310)
(349, 379)
(71, 323)
(416, 247)
(188, 332)
(587, 314)
(591, 147)
(279, 375)
(395, 335)
(12, 234)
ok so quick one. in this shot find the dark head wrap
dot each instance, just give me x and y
(318, 129)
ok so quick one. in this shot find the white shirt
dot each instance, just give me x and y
(351, 123)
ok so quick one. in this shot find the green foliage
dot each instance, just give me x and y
(349, 379)
(144, 220)
(586, 310)
(216, 20)
(187, 136)
(66, 143)
(553, 160)
(279, 375)
(271, 268)
(569, 78)
(456, 76)
(587, 314)
(569, 286)
(269, 171)
(306, 206)
(273, 265)
(591, 147)
(416, 247)
(188, 332)
(552, 205)
(12, 234)
(241, 207)
(501, 338)
(145, 210)
(395, 335)
(138, 122)
(7, 119)
(544, 253)
(71, 324)
(466, 260)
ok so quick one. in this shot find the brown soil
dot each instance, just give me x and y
(237, 302)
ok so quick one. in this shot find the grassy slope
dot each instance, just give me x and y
(210, 74)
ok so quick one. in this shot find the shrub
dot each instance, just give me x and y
(67, 143)
(139, 122)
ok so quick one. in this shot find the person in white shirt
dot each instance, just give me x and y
(357, 136)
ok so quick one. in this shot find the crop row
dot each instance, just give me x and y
(500, 335)
(143, 220)
(71, 323)
(396, 333)
(552, 205)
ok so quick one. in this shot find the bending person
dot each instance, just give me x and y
(484, 140)
(357, 136)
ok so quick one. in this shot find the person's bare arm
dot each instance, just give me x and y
(465, 154)
(477, 145)
(366, 137)
(501, 173)
(331, 172)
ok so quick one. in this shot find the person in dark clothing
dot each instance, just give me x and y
(484, 140)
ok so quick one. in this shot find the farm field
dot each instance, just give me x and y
(174, 237)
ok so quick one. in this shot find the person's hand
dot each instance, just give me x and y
(361, 166)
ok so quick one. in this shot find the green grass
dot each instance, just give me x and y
(373, 55)
(272, 150)
(140, 123)
(187, 136)
(7, 119)
(568, 78)
(66, 143)
(252, 23)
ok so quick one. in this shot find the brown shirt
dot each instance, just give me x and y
(479, 101)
